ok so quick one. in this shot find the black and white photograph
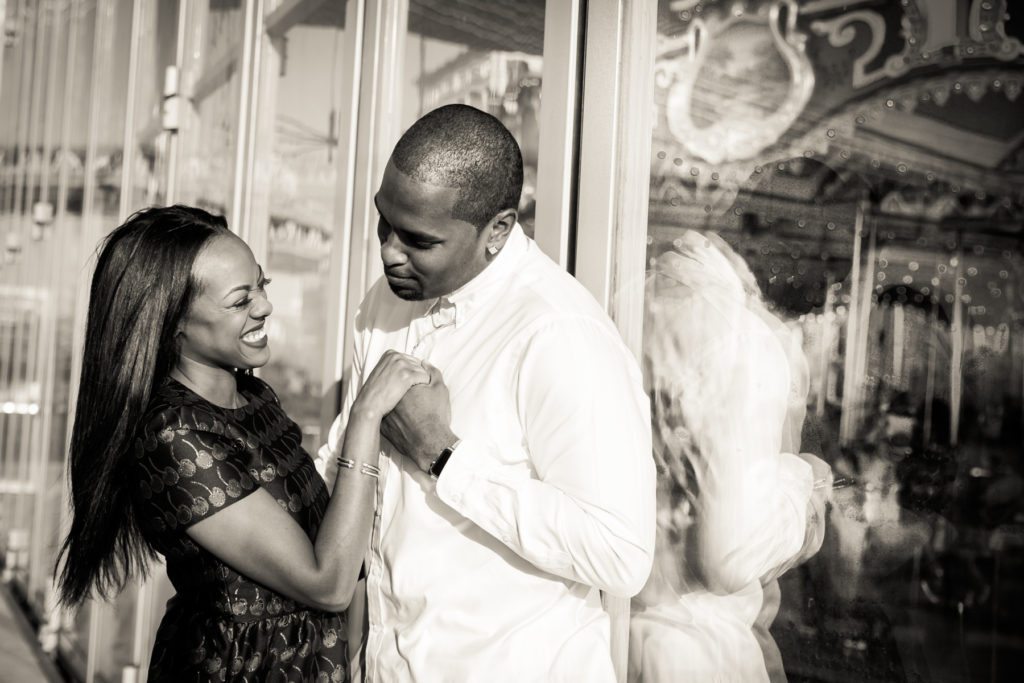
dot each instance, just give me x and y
(484, 341)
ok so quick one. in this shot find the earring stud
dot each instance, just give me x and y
(492, 250)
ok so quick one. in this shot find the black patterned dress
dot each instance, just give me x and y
(192, 459)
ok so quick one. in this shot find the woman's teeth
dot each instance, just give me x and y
(255, 335)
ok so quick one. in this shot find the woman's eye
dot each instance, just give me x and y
(266, 281)
(243, 303)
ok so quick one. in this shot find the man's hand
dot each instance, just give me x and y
(420, 425)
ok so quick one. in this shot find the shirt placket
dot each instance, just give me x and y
(374, 577)
(431, 328)
(420, 342)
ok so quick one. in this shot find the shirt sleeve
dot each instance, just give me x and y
(188, 475)
(586, 511)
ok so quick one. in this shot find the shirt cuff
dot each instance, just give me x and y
(459, 473)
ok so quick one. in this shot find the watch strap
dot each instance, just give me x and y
(441, 460)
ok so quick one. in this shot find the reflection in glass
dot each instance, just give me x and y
(209, 126)
(102, 141)
(878, 227)
(450, 57)
(297, 177)
(157, 51)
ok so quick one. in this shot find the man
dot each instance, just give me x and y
(509, 511)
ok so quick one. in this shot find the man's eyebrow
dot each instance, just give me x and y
(415, 234)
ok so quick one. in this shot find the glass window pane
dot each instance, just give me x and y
(18, 47)
(69, 238)
(157, 52)
(833, 278)
(450, 57)
(48, 445)
(210, 126)
(102, 144)
(297, 184)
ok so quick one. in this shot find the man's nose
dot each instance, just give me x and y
(391, 252)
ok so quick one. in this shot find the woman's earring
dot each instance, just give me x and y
(492, 250)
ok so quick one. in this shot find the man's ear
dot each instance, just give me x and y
(500, 228)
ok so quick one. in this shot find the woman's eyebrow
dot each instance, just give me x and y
(247, 288)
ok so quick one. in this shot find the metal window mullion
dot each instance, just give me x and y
(559, 116)
(242, 122)
(128, 142)
(3, 51)
(28, 55)
(100, 62)
(47, 349)
(54, 616)
(349, 70)
(174, 136)
(378, 126)
(614, 185)
(18, 431)
(258, 239)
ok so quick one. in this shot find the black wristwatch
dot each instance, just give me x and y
(442, 459)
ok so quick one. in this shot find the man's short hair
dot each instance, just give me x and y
(459, 146)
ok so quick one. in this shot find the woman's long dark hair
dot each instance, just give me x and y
(141, 289)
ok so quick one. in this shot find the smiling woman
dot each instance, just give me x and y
(224, 328)
(177, 450)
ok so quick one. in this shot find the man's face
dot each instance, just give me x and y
(426, 252)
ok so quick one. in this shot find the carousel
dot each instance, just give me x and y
(866, 159)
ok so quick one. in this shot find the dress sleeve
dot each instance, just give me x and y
(188, 474)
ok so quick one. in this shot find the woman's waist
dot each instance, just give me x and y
(239, 607)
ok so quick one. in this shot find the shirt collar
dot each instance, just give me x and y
(462, 304)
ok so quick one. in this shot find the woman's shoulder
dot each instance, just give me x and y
(183, 432)
(173, 407)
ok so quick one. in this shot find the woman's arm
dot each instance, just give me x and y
(262, 541)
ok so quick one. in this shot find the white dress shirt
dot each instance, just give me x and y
(493, 572)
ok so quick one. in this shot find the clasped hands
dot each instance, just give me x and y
(420, 425)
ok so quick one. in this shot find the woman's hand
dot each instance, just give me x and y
(393, 376)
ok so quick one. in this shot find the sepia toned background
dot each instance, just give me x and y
(864, 158)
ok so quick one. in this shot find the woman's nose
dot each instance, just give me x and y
(390, 251)
(262, 307)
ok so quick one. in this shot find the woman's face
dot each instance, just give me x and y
(224, 328)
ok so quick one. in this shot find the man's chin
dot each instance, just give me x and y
(406, 293)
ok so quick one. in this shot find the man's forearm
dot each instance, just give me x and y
(609, 546)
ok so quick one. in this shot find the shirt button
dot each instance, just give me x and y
(456, 498)
(506, 539)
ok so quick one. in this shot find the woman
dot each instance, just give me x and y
(178, 450)
(736, 507)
